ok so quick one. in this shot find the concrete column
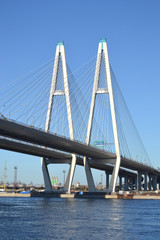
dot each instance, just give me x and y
(126, 183)
(47, 180)
(107, 180)
(120, 182)
(131, 183)
(136, 182)
(139, 181)
(145, 182)
(89, 176)
(155, 182)
(150, 183)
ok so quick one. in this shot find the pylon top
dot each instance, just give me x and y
(102, 40)
(60, 43)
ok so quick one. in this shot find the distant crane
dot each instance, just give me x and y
(15, 176)
(64, 177)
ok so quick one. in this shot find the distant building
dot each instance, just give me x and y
(77, 185)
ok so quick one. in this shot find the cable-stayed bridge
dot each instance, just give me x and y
(85, 122)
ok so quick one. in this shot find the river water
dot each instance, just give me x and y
(54, 218)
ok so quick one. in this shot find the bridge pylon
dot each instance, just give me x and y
(103, 52)
(59, 56)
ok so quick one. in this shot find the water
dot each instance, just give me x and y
(51, 218)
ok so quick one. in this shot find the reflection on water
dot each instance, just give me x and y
(46, 218)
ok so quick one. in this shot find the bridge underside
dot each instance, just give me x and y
(54, 157)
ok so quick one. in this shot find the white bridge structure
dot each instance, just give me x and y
(85, 122)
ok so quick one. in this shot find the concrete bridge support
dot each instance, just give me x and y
(139, 181)
(155, 182)
(136, 184)
(120, 182)
(145, 182)
(150, 183)
(131, 183)
(126, 183)
(107, 180)
(143, 177)
(47, 181)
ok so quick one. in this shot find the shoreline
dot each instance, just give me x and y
(5, 194)
(82, 196)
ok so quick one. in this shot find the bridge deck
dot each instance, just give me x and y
(24, 133)
(56, 157)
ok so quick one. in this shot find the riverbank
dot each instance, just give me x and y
(98, 195)
(9, 194)
(81, 195)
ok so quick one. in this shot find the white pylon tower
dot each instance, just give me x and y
(103, 51)
(60, 54)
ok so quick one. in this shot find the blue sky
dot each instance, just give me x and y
(30, 31)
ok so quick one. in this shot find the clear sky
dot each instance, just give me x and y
(30, 30)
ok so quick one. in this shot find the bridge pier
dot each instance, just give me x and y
(154, 182)
(136, 185)
(107, 179)
(145, 182)
(90, 181)
(132, 183)
(139, 181)
(150, 183)
(47, 181)
(66, 185)
(120, 182)
(70, 174)
(126, 183)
